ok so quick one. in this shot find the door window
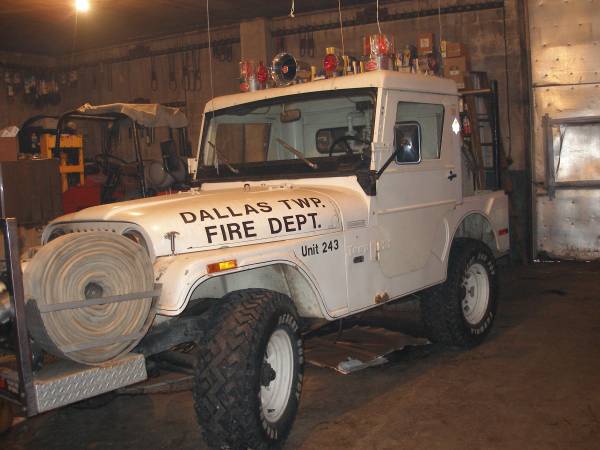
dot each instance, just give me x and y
(418, 132)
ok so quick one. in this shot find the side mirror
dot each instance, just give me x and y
(407, 142)
(407, 145)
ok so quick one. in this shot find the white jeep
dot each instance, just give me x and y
(313, 202)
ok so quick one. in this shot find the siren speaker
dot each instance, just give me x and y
(284, 69)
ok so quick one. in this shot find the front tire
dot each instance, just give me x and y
(461, 311)
(249, 373)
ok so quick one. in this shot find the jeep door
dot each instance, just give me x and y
(418, 189)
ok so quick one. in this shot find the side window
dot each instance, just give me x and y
(418, 131)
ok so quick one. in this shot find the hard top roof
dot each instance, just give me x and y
(377, 79)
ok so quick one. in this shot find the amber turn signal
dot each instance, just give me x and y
(222, 265)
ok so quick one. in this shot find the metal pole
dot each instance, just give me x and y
(138, 157)
(496, 134)
(24, 360)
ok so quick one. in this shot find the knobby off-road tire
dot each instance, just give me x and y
(461, 311)
(249, 372)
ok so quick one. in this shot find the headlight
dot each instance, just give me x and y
(57, 232)
(136, 237)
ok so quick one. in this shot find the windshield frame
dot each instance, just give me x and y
(296, 168)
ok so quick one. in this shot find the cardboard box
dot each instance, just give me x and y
(451, 49)
(458, 66)
(9, 147)
(425, 43)
(461, 81)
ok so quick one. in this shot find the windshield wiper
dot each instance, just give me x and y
(297, 153)
(223, 159)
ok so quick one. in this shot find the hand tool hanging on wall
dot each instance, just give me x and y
(196, 74)
(102, 74)
(10, 90)
(94, 78)
(148, 134)
(303, 42)
(280, 44)
(151, 136)
(73, 78)
(219, 53)
(185, 72)
(29, 88)
(53, 91)
(153, 77)
(109, 77)
(310, 46)
(17, 81)
(126, 75)
(172, 77)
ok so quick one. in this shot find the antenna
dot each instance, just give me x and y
(378, 25)
(212, 87)
(440, 21)
(342, 26)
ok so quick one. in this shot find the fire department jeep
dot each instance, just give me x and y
(313, 202)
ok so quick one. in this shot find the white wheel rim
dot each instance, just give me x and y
(477, 294)
(280, 356)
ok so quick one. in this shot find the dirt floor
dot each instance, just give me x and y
(534, 384)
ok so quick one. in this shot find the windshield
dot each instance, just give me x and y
(303, 134)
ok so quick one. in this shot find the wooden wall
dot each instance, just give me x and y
(126, 81)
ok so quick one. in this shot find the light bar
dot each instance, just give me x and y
(221, 265)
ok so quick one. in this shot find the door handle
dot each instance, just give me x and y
(452, 176)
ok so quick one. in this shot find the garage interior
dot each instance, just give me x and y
(529, 77)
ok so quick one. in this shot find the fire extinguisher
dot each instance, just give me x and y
(466, 125)
(465, 128)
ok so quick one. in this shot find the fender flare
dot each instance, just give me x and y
(481, 229)
(285, 276)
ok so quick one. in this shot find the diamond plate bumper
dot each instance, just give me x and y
(66, 382)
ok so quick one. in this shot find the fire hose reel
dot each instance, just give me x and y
(89, 296)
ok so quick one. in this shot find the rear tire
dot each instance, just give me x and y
(249, 373)
(461, 311)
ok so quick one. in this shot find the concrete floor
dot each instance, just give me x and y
(534, 384)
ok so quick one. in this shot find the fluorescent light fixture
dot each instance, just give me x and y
(82, 5)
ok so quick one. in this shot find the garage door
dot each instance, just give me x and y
(566, 158)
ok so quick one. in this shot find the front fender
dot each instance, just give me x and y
(184, 277)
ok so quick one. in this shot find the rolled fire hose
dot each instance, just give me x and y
(80, 266)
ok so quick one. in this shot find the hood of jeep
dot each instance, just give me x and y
(229, 217)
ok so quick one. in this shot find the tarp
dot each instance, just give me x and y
(148, 115)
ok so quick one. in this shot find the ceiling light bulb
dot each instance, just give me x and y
(82, 5)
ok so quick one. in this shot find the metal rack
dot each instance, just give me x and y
(60, 382)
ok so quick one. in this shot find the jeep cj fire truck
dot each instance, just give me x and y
(313, 202)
